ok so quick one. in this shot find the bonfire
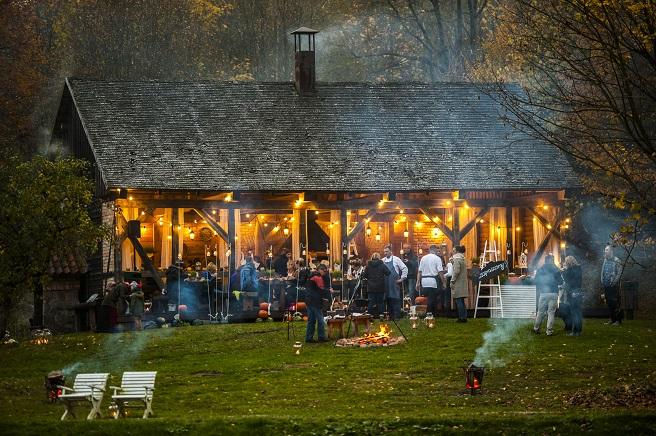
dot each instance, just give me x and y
(382, 338)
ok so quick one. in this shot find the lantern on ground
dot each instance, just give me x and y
(297, 347)
(413, 321)
(430, 320)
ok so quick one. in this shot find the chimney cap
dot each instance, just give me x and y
(304, 30)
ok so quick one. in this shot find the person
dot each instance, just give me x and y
(175, 275)
(354, 277)
(444, 293)
(248, 276)
(108, 308)
(280, 263)
(459, 284)
(448, 274)
(136, 304)
(411, 261)
(315, 293)
(398, 274)
(375, 274)
(430, 277)
(547, 279)
(259, 266)
(325, 276)
(572, 278)
(611, 271)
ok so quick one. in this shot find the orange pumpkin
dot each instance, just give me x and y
(421, 301)
(182, 308)
(305, 318)
(263, 314)
(300, 306)
(264, 306)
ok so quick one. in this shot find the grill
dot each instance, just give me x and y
(54, 379)
(474, 378)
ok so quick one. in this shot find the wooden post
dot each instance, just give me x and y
(343, 221)
(456, 226)
(175, 242)
(146, 261)
(231, 238)
(510, 230)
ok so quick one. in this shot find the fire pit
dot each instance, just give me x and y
(474, 377)
(382, 338)
(54, 379)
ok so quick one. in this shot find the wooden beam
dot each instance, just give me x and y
(285, 206)
(456, 225)
(175, 240)
(553, 231)
(470, 225)
(443, 227)
(344, 243)
(146, 261)
(360, 225)
(212, 222)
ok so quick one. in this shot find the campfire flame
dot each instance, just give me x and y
(382, 336)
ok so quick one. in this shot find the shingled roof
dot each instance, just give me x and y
(250, 136)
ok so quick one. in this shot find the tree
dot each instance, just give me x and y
(44, 213)
(587, 70)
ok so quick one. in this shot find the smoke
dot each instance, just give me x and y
(502, 332)
(116, 352)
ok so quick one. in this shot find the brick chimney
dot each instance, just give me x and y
(304, 70)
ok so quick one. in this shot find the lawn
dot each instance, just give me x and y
(245, 379)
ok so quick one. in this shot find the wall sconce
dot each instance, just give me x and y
(192, 235)
(286, 231)
(378, 237)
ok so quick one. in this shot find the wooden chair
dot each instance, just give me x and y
(86, 387)
(135, 387)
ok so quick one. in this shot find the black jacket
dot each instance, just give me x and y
(314, 294)
(280, 265)
(412, 263)
(376, 273)
(572, 277)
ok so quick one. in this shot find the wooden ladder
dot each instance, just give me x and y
(494, 296)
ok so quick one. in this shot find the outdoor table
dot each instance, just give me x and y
(360, 320)
(336, 324)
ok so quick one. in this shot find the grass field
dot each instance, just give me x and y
(245, 379)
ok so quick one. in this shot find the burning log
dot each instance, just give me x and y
(474, 377)
(382, 338)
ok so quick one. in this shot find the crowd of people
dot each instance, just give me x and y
(561, 288)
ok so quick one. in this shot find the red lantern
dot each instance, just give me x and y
(263, 314)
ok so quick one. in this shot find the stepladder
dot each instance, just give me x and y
(490, 291)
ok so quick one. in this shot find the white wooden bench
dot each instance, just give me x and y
(135, 387)
(86, 387)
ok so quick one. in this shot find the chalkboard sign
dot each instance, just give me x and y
(492, 270)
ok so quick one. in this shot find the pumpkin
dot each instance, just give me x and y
(182, 308)
(264, 306)
(421, 301)
(305, 318)
(300, 306)
(263, 314)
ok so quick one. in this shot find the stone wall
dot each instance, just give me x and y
(59, 298)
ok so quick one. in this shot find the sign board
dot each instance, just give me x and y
(492, 270)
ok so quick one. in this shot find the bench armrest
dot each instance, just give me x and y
(94, 387)
(64, 388)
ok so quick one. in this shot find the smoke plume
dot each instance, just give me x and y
(501, 333)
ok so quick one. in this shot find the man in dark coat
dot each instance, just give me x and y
(315, 293)
(376, 275)
(280, 263)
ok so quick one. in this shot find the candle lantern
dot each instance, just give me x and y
(430, 320)
(413, 321)
(297, 347)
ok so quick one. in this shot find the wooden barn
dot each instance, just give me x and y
(185, 170)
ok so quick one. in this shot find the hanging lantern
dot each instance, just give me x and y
(161, 221)
(378, 237)
(368, 231)
(285, 231)
(406, 233)
(192, 235)
(327, 249)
